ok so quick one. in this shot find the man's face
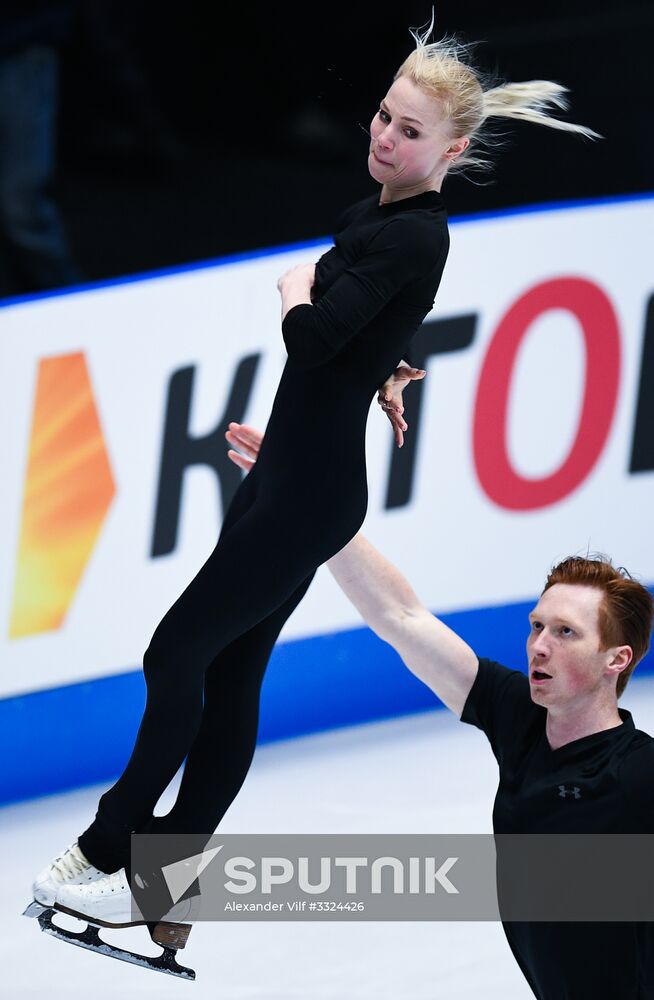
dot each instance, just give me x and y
(564, 646)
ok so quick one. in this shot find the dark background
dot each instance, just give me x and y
(190, 131)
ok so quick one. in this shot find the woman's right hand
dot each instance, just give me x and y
(302, 274)
(248, 439)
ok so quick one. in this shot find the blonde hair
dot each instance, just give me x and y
(444, 70)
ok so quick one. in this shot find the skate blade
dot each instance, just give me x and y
(90, 939)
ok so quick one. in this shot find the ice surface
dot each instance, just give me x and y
(425, 773)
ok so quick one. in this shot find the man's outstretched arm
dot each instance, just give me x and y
(388, 604)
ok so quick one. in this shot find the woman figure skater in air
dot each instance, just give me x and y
(350, 319)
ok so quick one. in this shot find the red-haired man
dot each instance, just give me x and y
(570, 760)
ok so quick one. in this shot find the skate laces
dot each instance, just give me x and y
(71, 864)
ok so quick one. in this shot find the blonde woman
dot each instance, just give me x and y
(349, 319)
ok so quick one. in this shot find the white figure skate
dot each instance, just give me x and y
(107, 902)
(70, 867)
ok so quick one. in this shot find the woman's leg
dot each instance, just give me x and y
(257, 568)
(121, 809)
(222, 752)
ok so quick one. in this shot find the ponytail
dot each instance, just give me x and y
(529, 102)
(446, 71)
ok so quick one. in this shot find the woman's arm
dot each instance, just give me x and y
(396, 255)
(295, 286)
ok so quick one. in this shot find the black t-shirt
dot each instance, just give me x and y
(602, 783)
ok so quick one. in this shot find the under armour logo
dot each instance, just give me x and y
(563, 791)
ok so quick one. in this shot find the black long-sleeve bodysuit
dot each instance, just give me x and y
(305, 498)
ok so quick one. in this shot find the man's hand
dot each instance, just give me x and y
(389, 398)
(248, 439)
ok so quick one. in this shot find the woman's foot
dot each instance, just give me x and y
(109, 900)
(71, 867)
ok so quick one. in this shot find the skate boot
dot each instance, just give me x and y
(70, 867)
(108, 902)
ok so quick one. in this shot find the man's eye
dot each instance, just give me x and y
(566, 630)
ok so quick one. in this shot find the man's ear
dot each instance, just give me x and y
(621, 659)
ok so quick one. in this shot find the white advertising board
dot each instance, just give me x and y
(529, 443)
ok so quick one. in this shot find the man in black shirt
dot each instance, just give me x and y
(570, 760)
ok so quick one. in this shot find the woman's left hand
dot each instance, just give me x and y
(390, 399)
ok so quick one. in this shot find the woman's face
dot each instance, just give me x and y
(410, 147)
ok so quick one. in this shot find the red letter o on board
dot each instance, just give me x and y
(594, 311)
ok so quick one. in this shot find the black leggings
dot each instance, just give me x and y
(215, 641)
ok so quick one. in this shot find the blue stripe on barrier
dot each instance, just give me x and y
(163, 272)
(80, 734)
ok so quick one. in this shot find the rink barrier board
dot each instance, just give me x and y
(82, 734)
